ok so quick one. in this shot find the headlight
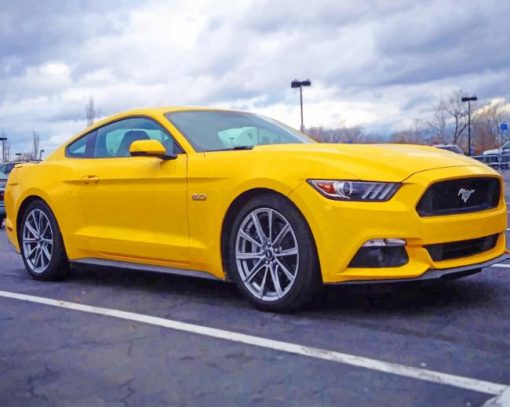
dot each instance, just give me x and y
(355, 190)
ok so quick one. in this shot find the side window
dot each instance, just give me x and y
(115, 139)
(83, 147)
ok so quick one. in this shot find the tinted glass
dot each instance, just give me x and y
(224, 130)
(115, 139)
(7, 168)
(83, 147)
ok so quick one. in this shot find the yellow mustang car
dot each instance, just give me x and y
(236, 196)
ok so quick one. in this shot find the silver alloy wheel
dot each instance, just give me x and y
(267, 254)
(37, 240)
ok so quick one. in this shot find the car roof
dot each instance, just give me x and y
(151, 111)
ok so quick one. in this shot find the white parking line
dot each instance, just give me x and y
(316, 353)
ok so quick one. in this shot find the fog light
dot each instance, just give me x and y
(381, 253)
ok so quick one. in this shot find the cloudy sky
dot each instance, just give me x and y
(379, 64)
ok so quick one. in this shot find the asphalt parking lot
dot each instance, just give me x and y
(381, 345)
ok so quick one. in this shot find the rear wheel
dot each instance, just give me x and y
(272, 255)
(41, 244)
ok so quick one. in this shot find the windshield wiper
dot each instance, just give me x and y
(243, 148)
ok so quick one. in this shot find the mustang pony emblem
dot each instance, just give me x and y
(465, 194)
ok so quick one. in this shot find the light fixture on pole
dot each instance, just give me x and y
(469, 99)
(299, 84)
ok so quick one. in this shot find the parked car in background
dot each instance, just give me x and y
(498, 157)
(454, 148)
(3, 181)
(7, 167)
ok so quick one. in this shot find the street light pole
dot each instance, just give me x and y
(299, 84)
(3, 140)
(469, 100)
(302, 129)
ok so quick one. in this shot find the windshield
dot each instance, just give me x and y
(225, 130)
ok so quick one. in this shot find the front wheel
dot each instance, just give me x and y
(272, 255)
(42, 248)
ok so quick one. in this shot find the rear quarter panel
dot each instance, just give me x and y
(44, 181)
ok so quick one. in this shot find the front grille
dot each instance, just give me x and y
(464, 248)
(460, 196)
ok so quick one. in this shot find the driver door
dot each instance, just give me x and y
(136, 208)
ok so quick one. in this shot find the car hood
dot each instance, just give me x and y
(390, 162)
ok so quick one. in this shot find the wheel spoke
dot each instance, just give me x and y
(248, 256)
(281, 234)
(285, 271)
(46, 252)
(246, 236)
(258, 227)
(31, 229)
(254, 271)
(263, 284)
(46, 226)
(270, 223)
(32, 250)
(35, 222)
(287, 252)
(37, 257)
(40, 224)
(276, 281)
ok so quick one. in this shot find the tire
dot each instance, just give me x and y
(276, 269)
(2, 218)
(43, 252)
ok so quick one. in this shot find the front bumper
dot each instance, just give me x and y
(441, 274)
(341, 228)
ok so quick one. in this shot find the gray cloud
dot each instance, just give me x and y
(375, 63)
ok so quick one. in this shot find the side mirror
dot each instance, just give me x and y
(149, 148)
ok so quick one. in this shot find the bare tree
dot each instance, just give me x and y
(485, 125)
(456, 114)
(36, 139)
(90, 111)
(353, 134)
(416, 134)
(439, 126)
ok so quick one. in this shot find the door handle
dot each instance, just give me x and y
(90, 179)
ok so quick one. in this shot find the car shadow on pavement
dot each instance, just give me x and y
(412, 297)
(152, 282)
(394, 298)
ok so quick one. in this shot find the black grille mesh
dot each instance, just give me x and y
(460, 196)
(464, 248)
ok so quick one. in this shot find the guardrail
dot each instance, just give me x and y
(500, 162)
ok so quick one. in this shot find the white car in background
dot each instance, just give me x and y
(498, 157)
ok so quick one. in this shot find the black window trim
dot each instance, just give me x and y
(96, 129)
